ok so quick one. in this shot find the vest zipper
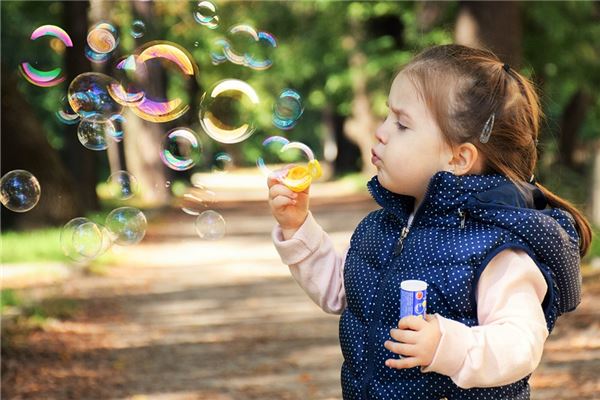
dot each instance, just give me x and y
(463, 216)
(403, 235)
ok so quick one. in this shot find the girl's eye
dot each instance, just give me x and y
(400, 126)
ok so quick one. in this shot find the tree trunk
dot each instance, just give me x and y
(494, 25)
(81, 162)
(24, 146)
(571, 121)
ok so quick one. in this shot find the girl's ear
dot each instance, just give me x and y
(466, 159)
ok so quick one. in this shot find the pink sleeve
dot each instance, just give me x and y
(314, 264)
(508, 343)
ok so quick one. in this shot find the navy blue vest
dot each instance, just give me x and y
(461, 225)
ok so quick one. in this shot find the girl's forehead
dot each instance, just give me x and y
(404, 95)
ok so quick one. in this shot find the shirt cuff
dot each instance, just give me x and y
(452, 348)
(305, 241)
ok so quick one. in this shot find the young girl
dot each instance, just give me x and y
(461, 210)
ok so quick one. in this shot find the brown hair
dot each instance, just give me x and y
(462, 87)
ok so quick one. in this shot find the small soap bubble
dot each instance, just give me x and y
(288, 109)
(138, 28)
(222, 162)
(19, 190)
(118, 122)
(88, 96)
(210, 225)
(103, 38)
(206, 14)
(122, 185)
(92, 133)
(181, 149)
(227, 111)
(127, 225)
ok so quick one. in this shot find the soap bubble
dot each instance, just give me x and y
(138, 28)
(122, 185)
(210, 225)
(88, 96)
(128, 87)
(206, 14)
(92, 133)
(287, 109)
(245, 46)
(198, 199)
(98, 58)
(297, 173)
(181, 149)
(87, 239)
(168, 56)
(46, 78)
(127, 225)
(103, 38)
(117, 134)
(227, 111)
(222, 162)
(19, 190)
(66, 115)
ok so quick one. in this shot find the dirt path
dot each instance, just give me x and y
(188, 319)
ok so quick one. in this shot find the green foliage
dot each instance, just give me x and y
(31, 246)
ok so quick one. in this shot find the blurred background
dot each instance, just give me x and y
(178, 316)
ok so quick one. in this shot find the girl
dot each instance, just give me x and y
(461, 210)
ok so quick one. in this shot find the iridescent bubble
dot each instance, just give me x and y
(118, 132)
(122, 185)
(103, 38)
(19, 190)
(222, 162)
(297, 174)
(153, 108)
(227, 111)
(45, 78)
(245, 46)
(181, 149)
(287, 109)
(88, 96)
(92, 133)
(138, 28)
(210, 225)
(198, 199)
(66, 238)
(206, 14)
(66, 115)
(127, 225)
(98, 58)
(128, 87)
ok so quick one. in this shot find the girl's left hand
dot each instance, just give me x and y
(417, 341)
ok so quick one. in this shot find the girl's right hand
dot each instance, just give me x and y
(288, 207)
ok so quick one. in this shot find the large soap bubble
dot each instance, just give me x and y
(19, 190)
(92, 132)
(127, 225)
(88, 96)
(227, 111)
(82, 239)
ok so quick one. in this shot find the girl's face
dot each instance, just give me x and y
(409, 148)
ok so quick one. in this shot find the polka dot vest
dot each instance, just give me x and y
(461, 225)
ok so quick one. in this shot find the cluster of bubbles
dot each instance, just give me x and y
(254, 43)
(96, 102)
(82, 239)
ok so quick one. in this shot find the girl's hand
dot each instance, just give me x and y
(417, 341)
(289, 208)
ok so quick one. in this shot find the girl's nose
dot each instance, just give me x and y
(379, 134)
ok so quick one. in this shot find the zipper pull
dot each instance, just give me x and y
(463, 216)
(400, 244)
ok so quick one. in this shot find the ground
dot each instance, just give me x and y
(184, 318)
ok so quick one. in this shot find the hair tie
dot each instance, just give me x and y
(532, 180)
(506, 67)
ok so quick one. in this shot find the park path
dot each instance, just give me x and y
(183, 318)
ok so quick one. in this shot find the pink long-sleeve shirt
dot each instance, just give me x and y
(505, 347)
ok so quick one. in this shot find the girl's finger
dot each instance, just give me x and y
(405, 350)
(412, 322)
(280, 190)
(402, 363)
(404, 336)
(282, 201)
